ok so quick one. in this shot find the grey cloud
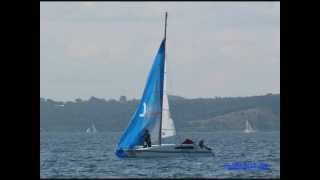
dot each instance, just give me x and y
(106, 48)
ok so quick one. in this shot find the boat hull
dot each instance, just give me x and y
(167, 150)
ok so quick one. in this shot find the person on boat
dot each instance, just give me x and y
(187, 141)
(201, 145)
(146, 139)
(186, 144)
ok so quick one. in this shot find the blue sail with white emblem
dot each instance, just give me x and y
(149, 111)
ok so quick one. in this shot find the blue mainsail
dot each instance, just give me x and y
(148, 112)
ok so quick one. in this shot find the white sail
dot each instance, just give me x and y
(92, 129)
(167, 126)
(88, 130)
(248, 129)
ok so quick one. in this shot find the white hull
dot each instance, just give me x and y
(168, 150)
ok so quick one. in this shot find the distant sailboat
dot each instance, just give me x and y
(153, 114)
(92, 129)
(249, 128)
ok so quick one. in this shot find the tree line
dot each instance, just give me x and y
(114, 115)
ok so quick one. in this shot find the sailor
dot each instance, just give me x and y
(187, 141)
(146, 139)
(201, 145)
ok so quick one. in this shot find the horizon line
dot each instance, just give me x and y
(133, 98)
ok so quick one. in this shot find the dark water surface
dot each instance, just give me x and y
(82, 155)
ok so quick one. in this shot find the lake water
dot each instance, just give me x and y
(81, 155)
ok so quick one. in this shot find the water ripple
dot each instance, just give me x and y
(77, 155)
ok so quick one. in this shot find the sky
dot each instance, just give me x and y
(106, 49)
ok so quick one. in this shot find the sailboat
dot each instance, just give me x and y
(92, 129)
(153, 114)
(249, 128)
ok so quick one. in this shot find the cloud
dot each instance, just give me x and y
(88, 4)
(214, 45)
(82, 50)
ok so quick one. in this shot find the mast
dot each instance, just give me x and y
(165, 29)
(164, 63)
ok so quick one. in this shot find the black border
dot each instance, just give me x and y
(28, 90)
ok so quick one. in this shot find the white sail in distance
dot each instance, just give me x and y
(248, 129)
(92, 129)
